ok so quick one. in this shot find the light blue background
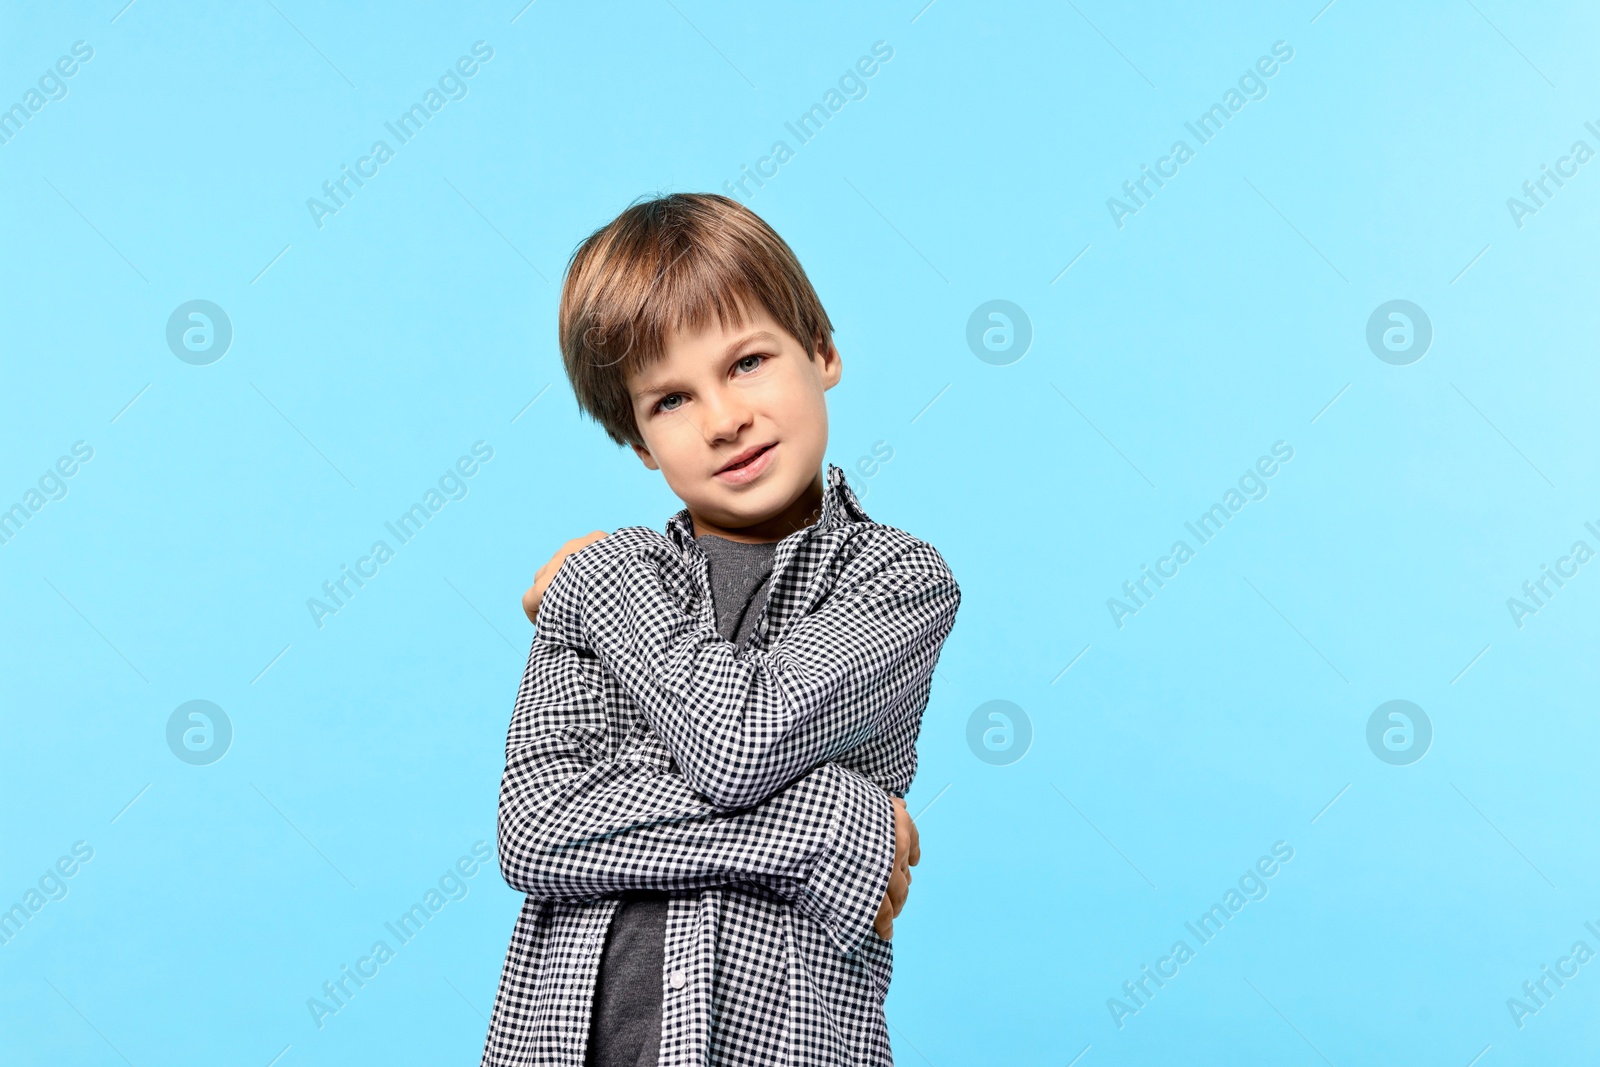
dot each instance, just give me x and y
(1224, 316)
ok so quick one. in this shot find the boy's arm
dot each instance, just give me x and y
(574, 825)
(741, 727)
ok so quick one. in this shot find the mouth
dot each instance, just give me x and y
(747, 464)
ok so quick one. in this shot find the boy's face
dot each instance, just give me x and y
(717, 396)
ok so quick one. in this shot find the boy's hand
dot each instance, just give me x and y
(907, 853)
(544, 575)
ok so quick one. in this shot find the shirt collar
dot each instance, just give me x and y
(839, 506)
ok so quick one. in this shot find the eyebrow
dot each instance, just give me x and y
(658, 391)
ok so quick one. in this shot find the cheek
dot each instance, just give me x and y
(673, 441)
(802, 421)
(797, 394)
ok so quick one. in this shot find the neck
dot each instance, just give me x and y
(803, 511)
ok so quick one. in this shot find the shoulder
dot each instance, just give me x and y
(863, 549)
(632, 538)
(623, 542)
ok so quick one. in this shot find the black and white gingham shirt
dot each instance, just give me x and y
(648, 752)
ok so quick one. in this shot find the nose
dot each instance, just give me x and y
(726, 414)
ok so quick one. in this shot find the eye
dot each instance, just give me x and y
(661, 405)
(753, 355)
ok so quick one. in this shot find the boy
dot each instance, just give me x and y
(706, 766)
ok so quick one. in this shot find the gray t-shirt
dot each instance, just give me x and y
(625, 1028)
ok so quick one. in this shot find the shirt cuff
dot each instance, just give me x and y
(846, 888)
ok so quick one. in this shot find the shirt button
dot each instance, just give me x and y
(679, 979)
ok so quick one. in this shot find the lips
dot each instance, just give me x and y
(743, 458)
(749, 466)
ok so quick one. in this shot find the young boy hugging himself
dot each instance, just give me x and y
(706, 767)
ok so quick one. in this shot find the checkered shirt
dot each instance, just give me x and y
(752, 782)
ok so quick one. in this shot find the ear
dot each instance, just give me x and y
(829, 364)
(645, 457)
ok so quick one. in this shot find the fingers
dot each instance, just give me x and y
(908, 851)
(904, 833)
(543, 576)
(894, 894)
(883, 923)
(899, 886)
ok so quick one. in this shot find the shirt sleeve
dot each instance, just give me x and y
(744, 726)
(575, 825)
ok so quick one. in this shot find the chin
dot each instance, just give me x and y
(748, 505)
(767, 496)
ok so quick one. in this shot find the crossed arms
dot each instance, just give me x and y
(758, 802)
